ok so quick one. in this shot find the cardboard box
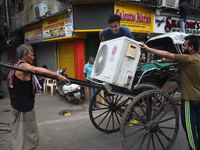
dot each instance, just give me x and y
(99, 99)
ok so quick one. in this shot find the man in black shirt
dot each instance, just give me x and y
(22, 88)
(183, 10)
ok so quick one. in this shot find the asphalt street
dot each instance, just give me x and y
(73, 132)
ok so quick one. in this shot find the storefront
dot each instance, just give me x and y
(92, 18)
(165, 23)
(65, 40)
(56, 46)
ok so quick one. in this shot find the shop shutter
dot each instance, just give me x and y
(66, 57)
(46, 55)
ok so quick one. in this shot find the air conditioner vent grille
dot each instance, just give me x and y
(100, 60)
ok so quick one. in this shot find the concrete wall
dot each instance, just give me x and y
(28, 14)
(1, 2)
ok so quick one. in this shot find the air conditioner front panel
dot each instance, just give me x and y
(120, 62)
(114, 60)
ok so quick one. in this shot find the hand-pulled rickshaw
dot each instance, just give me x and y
(146, 114)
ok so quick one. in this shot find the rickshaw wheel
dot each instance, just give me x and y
(107, 116)
(151, 121)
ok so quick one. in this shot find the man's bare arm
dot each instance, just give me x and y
(161, 53)
(43, 71)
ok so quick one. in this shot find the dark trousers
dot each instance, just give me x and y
(190, 117)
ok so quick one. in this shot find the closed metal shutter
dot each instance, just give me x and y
(66, 57)
(46, 55)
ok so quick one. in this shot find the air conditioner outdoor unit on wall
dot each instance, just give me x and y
(116, 62)
(41, 10)
(170, 3)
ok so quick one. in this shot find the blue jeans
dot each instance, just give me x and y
(91, 93)
(182, 24)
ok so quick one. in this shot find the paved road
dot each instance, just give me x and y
(73, 132)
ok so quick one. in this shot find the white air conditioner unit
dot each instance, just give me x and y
(116, 62)
(170, 3)
(41, 10)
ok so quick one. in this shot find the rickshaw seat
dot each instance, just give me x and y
(149, 66)
(143, 72)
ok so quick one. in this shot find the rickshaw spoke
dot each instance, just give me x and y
(102, 104)
(163, 134)
(160, 141)
(167, 119)
(153, 142)
(160, 108)
(137, 131)
(117, 118)
(148, 144)
(124, 102)
(95, 109)
(142, 143)
(118, 99)
(119, 113)
(164, 113)
(104, 98)
(167, 127)
(138, 139)
(101, 114)
(108, 122)
(154, 108)
(142, 111)
(103, 118)
(110, 101)
(113, 120)
(148, 108)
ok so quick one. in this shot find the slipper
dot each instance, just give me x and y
(133, 121)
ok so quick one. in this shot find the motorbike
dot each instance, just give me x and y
(70, 91)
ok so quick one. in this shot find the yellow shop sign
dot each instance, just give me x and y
(136, 17)
(57, 26)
